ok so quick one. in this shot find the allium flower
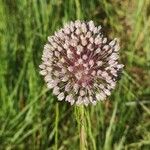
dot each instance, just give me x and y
(79, 64)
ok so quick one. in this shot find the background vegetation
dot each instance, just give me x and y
(31, 118)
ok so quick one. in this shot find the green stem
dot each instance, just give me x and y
(56, 126)
(83, 141)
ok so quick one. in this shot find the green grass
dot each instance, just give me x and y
(31, 118)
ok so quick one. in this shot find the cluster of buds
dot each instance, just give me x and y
(79, 64)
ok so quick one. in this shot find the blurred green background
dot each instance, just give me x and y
(31, 118)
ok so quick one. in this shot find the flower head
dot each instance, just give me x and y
(79, 64)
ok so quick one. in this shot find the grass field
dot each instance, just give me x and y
(30, 116)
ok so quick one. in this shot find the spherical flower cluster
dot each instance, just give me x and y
(80, 65)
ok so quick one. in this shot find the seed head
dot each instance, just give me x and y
(79, 64)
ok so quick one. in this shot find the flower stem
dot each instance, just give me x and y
(56, 126)
(83, 141)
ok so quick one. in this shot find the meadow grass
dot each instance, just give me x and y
(30, 116)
